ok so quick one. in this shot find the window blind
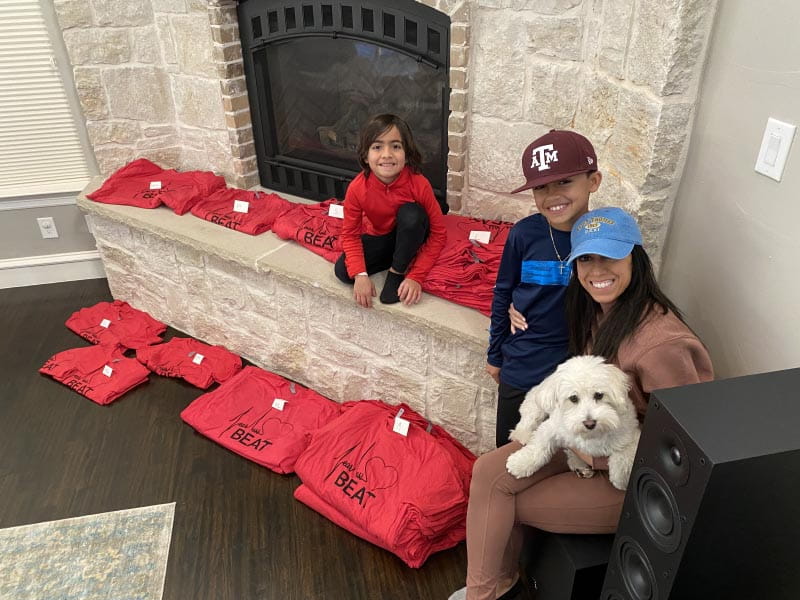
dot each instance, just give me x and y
(40, 148)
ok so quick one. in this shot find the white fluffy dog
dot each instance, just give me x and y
(583, 405)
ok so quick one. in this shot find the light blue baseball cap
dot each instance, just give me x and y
(609, 232)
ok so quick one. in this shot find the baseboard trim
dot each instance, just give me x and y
(50, 268)
(38, 202)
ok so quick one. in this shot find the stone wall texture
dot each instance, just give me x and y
(167, 76)
(624, 73)
(304, 332)
(163, 79)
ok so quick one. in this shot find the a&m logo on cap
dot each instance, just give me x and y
(593, 225)
(542, 156)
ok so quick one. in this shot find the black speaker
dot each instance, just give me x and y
(566, 566)
(712, 509)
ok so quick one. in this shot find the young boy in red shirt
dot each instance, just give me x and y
(392, 220)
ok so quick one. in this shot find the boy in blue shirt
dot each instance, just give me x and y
(561, 169)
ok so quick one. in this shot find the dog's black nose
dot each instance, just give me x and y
(590, 423)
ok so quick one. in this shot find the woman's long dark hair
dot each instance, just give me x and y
(642, 296)
(376, 127)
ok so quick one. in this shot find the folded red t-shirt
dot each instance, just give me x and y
(460, 228)
(101, 373)
(242, 210)
(466, 270)
(261, 416)
(311, 226)
(406, 493)
(144, 184)
(116, 322)
(198, 363)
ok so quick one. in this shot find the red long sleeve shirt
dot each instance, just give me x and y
(370, 207)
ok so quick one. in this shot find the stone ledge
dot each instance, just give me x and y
(268, 253)
(280, 306)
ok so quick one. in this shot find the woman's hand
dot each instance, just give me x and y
(598, 463)
(409, 292)
(518, 322)
(364, 291)
(588, 459)
(494, 372)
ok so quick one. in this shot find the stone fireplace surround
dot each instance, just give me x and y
(379, 56)
(163, 79)
(280, 306)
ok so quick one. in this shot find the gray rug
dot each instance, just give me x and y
(119, 555)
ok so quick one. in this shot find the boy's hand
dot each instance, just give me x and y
(494, 372)
(364, 291)
(409, 292)
(518, 322)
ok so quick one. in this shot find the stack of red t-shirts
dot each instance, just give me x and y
(405, 493)
(261, 416)
(101, 373)
(311, 226)
(192, 360)
(116, 322)
(144, 184)
(241, 210)
(466, 270)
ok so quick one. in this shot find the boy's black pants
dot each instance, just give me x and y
(395, 249)
(509, 399)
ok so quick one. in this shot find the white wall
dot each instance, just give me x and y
(731, 258)
(26, 258)
(20, 235)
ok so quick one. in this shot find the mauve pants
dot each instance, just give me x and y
(553, 499)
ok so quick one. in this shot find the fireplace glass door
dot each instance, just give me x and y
(315, 77)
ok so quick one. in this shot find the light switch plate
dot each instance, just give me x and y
(775, 147)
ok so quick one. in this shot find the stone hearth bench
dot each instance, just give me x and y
(281, 307)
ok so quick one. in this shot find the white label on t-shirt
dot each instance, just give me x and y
(105, 323)
(401, 426)
(198, 358)
(484, 237)
(336, 210)
(241, 206)
(107, 371)
(155, 185)
(278, 403)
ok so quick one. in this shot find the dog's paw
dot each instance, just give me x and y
(619, 480)
(519, 465)
(620, 464)
(521, 435)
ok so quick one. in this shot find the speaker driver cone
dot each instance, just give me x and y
(673, 459)
(657, 509)
(636, 571)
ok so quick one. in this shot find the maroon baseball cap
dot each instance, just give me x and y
(556, 155)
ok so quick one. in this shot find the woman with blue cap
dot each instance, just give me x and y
(615, 309)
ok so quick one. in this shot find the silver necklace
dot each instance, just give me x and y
(562, 263)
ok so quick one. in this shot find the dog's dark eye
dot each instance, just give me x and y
(573, 399)
(598, 396)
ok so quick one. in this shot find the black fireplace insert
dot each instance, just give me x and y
(316, 71)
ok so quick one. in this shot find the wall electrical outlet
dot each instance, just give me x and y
(47, 227)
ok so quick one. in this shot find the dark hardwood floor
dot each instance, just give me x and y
(238, 533)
